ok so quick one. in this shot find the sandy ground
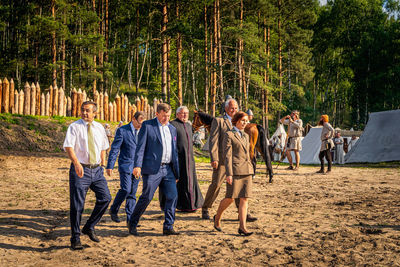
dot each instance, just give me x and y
(350, 217)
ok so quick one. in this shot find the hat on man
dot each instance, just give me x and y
(249, 112)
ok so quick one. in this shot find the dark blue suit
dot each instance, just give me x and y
(124, 144)
(148, 157)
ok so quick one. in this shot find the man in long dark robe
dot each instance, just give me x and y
(189, 194)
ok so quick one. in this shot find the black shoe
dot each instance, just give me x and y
(250, 218)
(241, 232)
(170, 232)
(92, 235)
(76, 245)
(205, 215)
(320, 171)
(271, 177)
(114, 217)
(132, 230)
(216, 227)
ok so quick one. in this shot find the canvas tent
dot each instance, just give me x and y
(380, 140)
(311, 144)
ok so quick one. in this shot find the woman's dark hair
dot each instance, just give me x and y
(238, 116)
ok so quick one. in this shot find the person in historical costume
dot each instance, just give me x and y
(189, 194)
(239, 170)
(295, 132)
(327, 134)
(339, 152)
(250, 114)
(352, 142)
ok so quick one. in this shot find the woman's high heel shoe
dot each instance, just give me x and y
(216, 227)
(241, 232)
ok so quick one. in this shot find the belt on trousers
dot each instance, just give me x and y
(90, 166)
(165, 164)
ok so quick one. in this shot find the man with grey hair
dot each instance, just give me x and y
(189, 194)
(219, 127)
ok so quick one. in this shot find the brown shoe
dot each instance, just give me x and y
(290, 168)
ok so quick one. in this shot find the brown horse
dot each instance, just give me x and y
(258, 138)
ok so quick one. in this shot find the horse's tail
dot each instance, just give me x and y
(262, 140)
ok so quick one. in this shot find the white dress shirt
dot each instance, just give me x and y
(166, 140)
(77, 138)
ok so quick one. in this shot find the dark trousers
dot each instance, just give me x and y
(165, 179)
(327, 154)
(78, 187)
(127, 191)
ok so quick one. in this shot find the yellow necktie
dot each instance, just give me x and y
(92, 148)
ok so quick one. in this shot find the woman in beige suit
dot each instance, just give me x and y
(239, 171)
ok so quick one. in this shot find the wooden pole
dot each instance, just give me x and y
(47, 108)
(79, 103)
(6, 96)
(101, 109)
(50, 100)
(61, 102)
(27, 99)
(16, 106)
(55, 101)
(12, 93)
(74, 102)
(69, 107)
(105, 107)
(1, 94)
(42, 105)
(65, 106)
(137, 103)
(111, 112)
(38, 99)
(126, 109)
(115, 111)
(118, 107)
(123, 107)
(21, 105)
(33, 99)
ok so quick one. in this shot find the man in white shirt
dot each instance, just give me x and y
(86, 144)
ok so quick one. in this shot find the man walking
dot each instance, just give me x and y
(86, 144)
(219, 127)
(156, 158)
(125, 142)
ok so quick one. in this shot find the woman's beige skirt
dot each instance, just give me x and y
(240, 188)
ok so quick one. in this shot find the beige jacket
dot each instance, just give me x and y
(295, 128)
(219, 127)
(327, 129)
(237, 154)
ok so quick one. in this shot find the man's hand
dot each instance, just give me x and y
(229, 179)
(137, 172)
(79, 169)
(214, 164)
(109, 172)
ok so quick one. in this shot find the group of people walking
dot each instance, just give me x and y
(160, 153)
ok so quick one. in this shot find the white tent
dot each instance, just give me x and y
(311, 144)
(380, 140)
(278, 141)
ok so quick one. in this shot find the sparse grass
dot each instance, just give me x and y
(200, 159)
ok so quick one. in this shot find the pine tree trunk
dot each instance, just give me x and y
(179, 60)
(214, 62)
(221, 80)
(164, 72)
(94, 56)
(205, 60)
(53, 45)
(280, 57)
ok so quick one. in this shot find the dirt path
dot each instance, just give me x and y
(350, 217)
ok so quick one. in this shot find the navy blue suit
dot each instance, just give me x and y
(125, 144)
(148, 157)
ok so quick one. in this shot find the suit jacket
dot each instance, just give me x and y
(237, 154)
(149, 148)
(125, 144)
(219, 127)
